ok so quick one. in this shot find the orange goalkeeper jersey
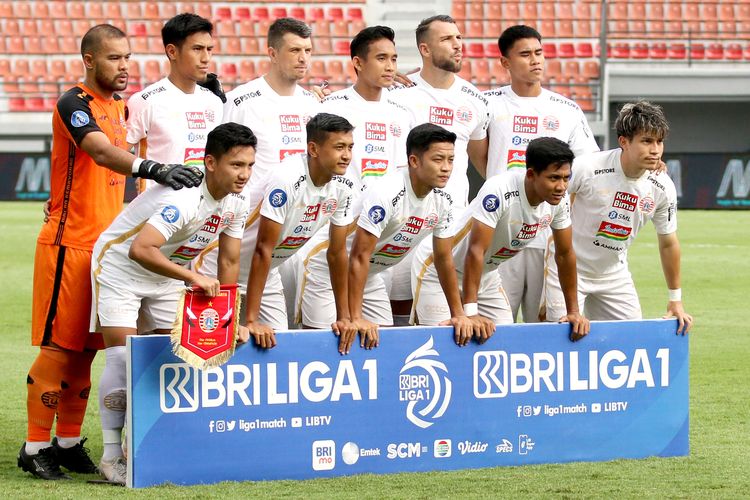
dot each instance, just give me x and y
(85, 197)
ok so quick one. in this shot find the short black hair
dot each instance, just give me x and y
(422, 136)
(284, 25)
(91, 41)
(513, 34)
(176, 30)
(424, 26)
(545, 151)
(323, 124)
(361, 43)
(227, 136)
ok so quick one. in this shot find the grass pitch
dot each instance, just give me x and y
(715, 283)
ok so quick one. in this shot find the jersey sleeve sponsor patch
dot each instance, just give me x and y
(79, 119)
(491, 203)
(170, 214)
(277, 198)
(376, 214)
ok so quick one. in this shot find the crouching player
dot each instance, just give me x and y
(504, 217)
(139, 265)
(614, 194)
(396, 214)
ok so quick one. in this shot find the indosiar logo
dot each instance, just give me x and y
(424, 384)
(499, 373)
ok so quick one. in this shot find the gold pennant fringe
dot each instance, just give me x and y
(191, 358)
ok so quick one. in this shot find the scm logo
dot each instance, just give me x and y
(405, 450)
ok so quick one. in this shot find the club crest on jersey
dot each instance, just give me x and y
(625, 201)
(277, 198)
(647, 205)
(376, 214)
(550, 123)
(170, 214)
(195, 119)
(194, 157)
(227, 218)
(395, 129)
(375, 131)
(329, 206)
(464, 115)
(613, 231)
(544, 222)
(491, 203)
(79, 119)
(290, 123)
(373, 167)
(210, 115)
(525, 124)
(441, 116)
(431, 221)
(516, 159)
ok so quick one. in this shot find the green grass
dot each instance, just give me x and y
(715, 281)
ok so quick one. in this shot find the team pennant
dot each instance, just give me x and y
(205, 328)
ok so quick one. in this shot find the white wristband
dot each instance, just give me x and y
(471, 309)
(136, 164)
(675, 295)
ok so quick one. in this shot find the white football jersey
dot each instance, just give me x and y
(515, 121)
(380, 130)
(170, 126)
(190, 219)
(502, 205)
(462, 109)
(277, 121)
(399, 220)
(609, 209)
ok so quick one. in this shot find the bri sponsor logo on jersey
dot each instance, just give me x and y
(625, 201)
(290, 123)
(184, 254)
(211, 225)
(413, 225)
(516, 159)
(392, 251)
(528, 231)
(613, 231)
(504, 254)
(194, 157)
(375, 131)
(311, 213)
(286, 153)
(292, 242)
(374, 168)
(441, 116)
(550, 123)
(195, 119)
(525, 124)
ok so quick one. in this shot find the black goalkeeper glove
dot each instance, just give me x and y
(213, 84)
(175, 176)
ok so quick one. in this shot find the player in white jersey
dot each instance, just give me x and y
(169, 120)
(308, 193)
(614, 194)
(520, 112)
(139, 264)
(394, 218)
(504, 217)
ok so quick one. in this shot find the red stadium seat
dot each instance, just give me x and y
(12, 28)
(565, 29)
(316, 14)
(186, 7)
(22, 10)
(530, 13)
(242, 13)
(247, 69)
(637, 29)
(511, 12)
(68, 45)
(566, 50)
(340, 28)
(354, 13)
(167, 10)
(493, 29)
(658, 50)
(465, 72)
(458, 10)
(137, 29)
(494, 11)
(261, 14)
(583, 28)
(492, 50)
(709, 12)
(620, 51)
(571, 68)
(355, 26)
(584, 49)
(550, 50)
(674, 12)
(553, 70)
(204, 9)
(224, 27)
(297, 13)
(743, 12)
(341, 47)
(15, 45)
(223, 14)
(618, 11)
(151, 10)
(324, 46)
(246, 28)
(655, 29)
(232, 46)
(6, 10)
(639, 50)
(278, 12)
(715, 51)
(590, 70)
(476, 11)
(474, 29)
(697, 51)
(335, 13)
(548, 12)
(252, 46)
(499, 74)
(582, 11)
(733, 52)
(475, 50)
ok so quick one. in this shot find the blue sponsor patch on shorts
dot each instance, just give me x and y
(170, 213)
(79, 119)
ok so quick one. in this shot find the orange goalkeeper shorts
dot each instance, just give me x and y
(61, 303)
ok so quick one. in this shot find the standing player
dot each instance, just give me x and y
(394, 218)
(439, 96)
(276, 108)
(139, 265)
(504, 217)
(169, 120)
(304, 195)
(88, 168)
(520, 112)
(614, 194)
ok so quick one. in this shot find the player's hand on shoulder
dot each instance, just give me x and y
(675, 310)
(661, 168)
(175, 176)
(368, 333)
(321, 91)
(402, 79)
(264, 336)
(208, 284)
(46, 209)
(346, 331)
(463, 329)
(484, 328)
(213, 84)
(579, 325)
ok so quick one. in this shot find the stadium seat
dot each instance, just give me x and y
(549, 49)
(458, 10)
(324, 46)
(590, 70)
(547, 28)
(316, 14)
(57, 68)
(263, 66)
(68, 45)
(246, 28)
(22, 10)
(492, 50)
(232, 46)
(494, 11)
(697, 51)
(475, 11)
(493, 29)
(247, 70)
(474, 29)
(673, 11)
(167, 10)
(355, 26)
(223, 14)
(465, 72)
(151, 10)
(548, 11)
(637, 29)
(639, 50)
(340, 28)
(6, 10)
(583, 29)
(715, 51)
(278, 12)
(242, 13)
(476, 50)
(224, 27)
(15, 45)
(137, 30)
(743, 12)
(28, 27)
(321, 27)
(571, 69)
(297, 13)
(186, 7)
(584, 49)
(582, 10)
(658, 50)
(511, 12)
(530, 12)
(139, 44)
(12, 28)
(335, 70)
(565, 29)
(709, 11)
(618, 11)
(620, 51)
(566, 50)
(204, 9)
(733, 52)
(552, 70)
(335, 13)
(655, 29)
(354, 13)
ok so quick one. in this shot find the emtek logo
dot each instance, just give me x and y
(323, 455)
